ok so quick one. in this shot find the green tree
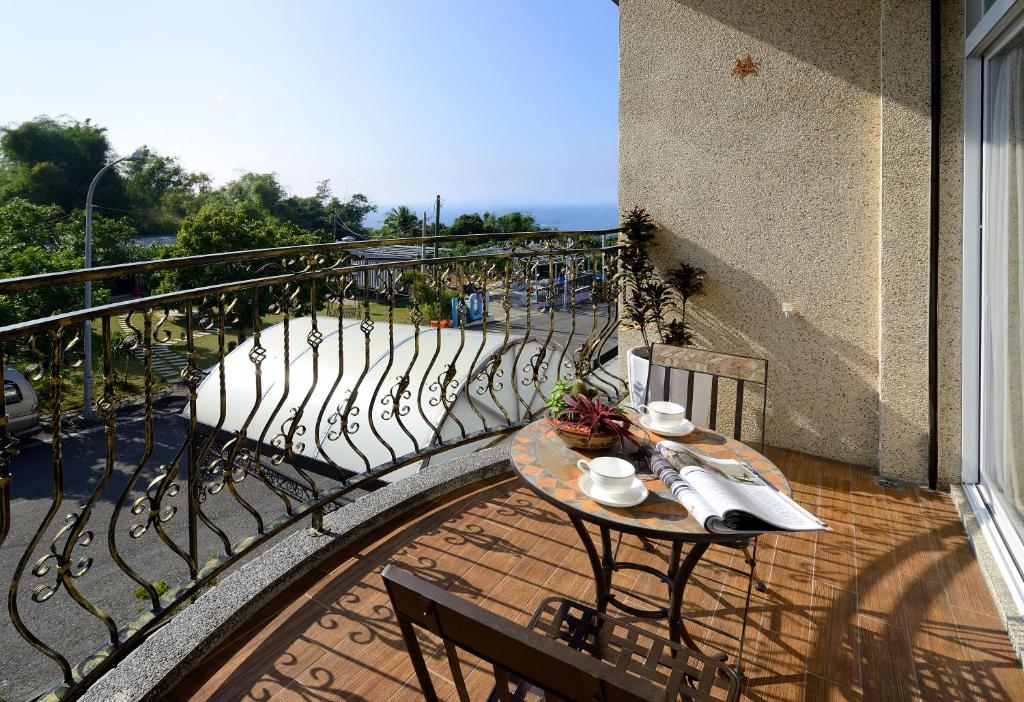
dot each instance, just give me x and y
(52, 161)
(467, 224)
(398, 222)
(162, 193)
(218, 227)
(37, 239)
(349, 217)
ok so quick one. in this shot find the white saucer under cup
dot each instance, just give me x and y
(631, 497)
(681, 428)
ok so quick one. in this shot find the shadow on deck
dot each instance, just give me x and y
(891, 605)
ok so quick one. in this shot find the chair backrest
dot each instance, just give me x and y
(515, 653)
(690, 364)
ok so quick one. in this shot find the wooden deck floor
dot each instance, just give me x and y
(889, 606)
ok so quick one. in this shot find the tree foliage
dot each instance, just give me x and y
(52, 161)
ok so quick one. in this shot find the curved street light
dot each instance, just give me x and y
(87, 411)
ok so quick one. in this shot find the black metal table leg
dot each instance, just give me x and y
(600, 580)
(676, 627)
(607, 558)
(673, 560)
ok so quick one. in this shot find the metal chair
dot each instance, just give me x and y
(691, 365)
(569, 651)
(677, 364)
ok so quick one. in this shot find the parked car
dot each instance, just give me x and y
(22, 404)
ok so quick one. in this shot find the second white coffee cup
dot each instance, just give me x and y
(663, 413)
(609, 473)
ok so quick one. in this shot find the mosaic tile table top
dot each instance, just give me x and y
(548, 466)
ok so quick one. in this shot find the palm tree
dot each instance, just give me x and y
(401, 220)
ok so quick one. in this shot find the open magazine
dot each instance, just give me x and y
(723, 504)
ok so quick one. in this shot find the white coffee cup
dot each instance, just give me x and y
(664, 413)
(609, 473)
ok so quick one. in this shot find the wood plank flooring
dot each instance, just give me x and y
(891, 605)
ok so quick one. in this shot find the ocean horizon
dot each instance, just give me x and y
(561, 217)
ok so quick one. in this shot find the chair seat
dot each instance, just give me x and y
(684, 674)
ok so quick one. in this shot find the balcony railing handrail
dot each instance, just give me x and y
(79, 275)
(163, 299)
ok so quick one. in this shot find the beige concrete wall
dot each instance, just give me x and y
(904, 237)
(806, 183)
(951, 204)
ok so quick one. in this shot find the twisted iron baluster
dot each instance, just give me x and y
(56, 398)
(334, 420)
(390, 293)
(583, 355)
(163, 485)
(286, 304)
(494, 369)
(400, 390)
(571, 267)
(436, 432)
(115, 554)
(446, 385)
(473, 282)
(257, 355)
(529, 268)
(346, 427)
(76, 523)
(231, 471)
(200, 460)
(538, 362)
(314, 338)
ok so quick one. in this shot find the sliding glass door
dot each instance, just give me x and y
(1002, 344)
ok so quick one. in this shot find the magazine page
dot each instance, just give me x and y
(727, 496)
(739, 506)
(684, 493)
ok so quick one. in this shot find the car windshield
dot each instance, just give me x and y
(12, 394)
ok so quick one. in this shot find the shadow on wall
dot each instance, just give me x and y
(822, 392)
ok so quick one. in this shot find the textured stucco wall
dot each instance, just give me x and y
(951, 203)
(905, 238)
(807, 183)
(770, 184)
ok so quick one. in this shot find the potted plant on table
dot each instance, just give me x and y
(654, 305)
(584, 421)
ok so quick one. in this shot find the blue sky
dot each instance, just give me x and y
(483, 101)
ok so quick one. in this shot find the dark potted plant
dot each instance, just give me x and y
(655, 305)
(584, 421)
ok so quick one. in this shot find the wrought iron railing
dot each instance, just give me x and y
(251, 391)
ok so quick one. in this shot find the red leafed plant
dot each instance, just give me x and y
(590, 416)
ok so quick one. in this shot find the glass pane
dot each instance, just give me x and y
(1002, 411)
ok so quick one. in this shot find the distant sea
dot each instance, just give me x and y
(561, 217)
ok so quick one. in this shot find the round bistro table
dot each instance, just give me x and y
(548, 467)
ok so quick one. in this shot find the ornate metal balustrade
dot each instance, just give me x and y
(255, 390)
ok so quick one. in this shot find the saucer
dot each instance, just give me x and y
(630, 497)
(681, 429)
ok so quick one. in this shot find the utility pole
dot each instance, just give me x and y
(423, 243)
(437, 224)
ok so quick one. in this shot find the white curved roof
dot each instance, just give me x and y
(308, 385)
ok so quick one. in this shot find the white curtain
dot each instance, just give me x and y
(1003, 287)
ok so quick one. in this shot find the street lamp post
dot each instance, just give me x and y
(87, 412)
